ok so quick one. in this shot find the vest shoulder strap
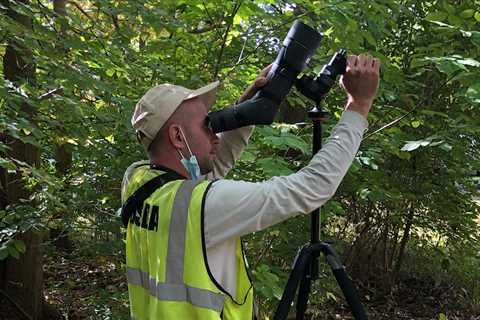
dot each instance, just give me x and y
(141, 194)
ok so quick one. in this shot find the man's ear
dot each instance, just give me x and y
(175, 136)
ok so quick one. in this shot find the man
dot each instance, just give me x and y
(184, 255)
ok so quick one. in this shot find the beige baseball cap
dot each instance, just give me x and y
(158, 105)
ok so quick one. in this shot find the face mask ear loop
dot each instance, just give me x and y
(180, 153)
(186, 142)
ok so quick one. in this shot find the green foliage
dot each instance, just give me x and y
(412, 168)
(267, 283)
(11, 247)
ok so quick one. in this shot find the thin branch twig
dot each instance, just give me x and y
(389, 124)
(82, 11)
(50, 93)
(236, 7)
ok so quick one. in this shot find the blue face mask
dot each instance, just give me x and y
(191, 165)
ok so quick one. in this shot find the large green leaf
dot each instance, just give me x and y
(274, 167)
(453, 64)
(473, 93)
(288, 140)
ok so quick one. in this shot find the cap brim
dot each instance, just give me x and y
(206, 93)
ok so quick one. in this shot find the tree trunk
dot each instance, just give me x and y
(63, 154)
(406, 230)
(22, 278)
(403, 242)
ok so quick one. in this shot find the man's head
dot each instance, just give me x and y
(169, 120)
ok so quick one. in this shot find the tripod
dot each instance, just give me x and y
(305, 269)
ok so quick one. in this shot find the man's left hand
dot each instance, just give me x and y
(259, 82)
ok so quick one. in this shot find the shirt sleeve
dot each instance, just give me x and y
(236, 208)
(229, 150)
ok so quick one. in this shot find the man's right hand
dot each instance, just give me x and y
(258, 83)
(360, 82)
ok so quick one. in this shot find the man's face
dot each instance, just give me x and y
(200, 137)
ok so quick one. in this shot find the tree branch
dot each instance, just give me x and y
(236, 7)
(204, 30)
(50, 93)
(270, 31)
(389, 124)
(82, 11)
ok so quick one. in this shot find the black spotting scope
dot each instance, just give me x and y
(298, 48)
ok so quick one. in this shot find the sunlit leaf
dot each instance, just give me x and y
(468, 13)
(413, 145)
(477, 16)
(473, 93)
(436, 16)
(446, 147)
(7, 164)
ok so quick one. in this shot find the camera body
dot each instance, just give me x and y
(316, 88)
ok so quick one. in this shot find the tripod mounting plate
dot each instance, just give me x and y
(318, 114)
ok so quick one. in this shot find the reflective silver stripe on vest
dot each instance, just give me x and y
(176, 292)
(177, 233)
(174, 289)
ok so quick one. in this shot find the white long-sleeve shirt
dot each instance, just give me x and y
(236, 208)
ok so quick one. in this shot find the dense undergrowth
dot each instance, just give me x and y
(403, 219)
(90, 283)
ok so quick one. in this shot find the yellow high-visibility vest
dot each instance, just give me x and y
(167, 270)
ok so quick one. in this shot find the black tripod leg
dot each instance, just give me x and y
(350, 294)
(344, 283)
(302, 262)
(304, 291)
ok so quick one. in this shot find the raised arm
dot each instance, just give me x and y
(236, 208)
(233, 142)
